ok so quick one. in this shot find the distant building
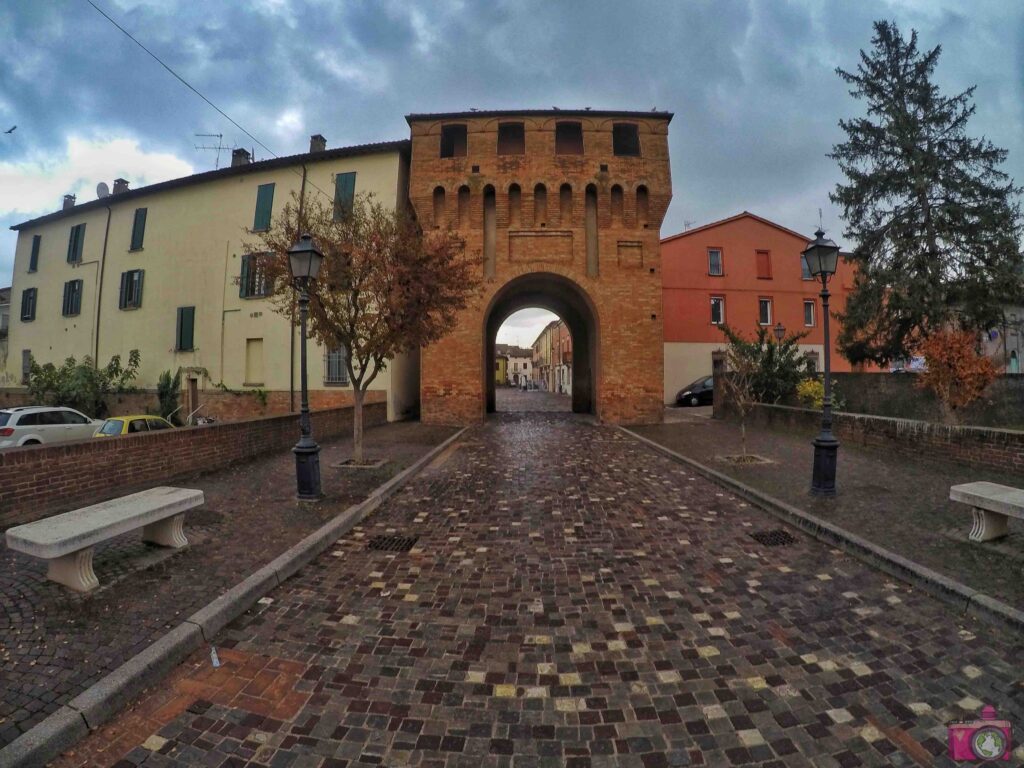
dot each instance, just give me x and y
(552, 358)
(501, 370)
(746, 272)
(5, 324)
(1005, 343)
(520, 363)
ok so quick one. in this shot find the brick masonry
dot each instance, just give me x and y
(624, 296)
(40, 480)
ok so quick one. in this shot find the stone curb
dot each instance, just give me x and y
(967, 600)
(101, 701)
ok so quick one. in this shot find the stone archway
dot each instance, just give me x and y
(566, 299)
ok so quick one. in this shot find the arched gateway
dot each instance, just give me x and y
(588, 251)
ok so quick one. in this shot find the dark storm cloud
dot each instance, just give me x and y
(752, 82)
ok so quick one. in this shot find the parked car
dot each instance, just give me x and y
(43, 425)
(132, 425)
(701, 392)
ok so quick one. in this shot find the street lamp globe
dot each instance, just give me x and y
(304, 259)
(822, 256)
(779, 331)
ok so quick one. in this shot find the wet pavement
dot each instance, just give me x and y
(572, 598)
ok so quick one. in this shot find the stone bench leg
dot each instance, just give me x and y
(74, 571)
(987, 525)
(166, 533)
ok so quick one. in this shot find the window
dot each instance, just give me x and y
(642, 204)
(438, 206)
(764, 311)
(812, 362)
(463, 207)
(568, 138)
(155, 425)
(715, 266)
(511, 139)
(565, 205)
(809, 313)
(626, 140)
(28, 304)
(717, 310)
(70, 417)
(72, 298)
(344, 195)
(26, 365)
(185, 329)
(33, 259)
(252, 283)
(805, 271)
(253, 363)
(764, 265)
(616, 199)
(111, 427)
(515, 205)
(453, 141)
(131, 289)
(264, 208)
(540, 205)
(137, 425)
(76, 240)
(335, 370)
(138, 229)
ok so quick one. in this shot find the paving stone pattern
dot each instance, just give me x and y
(55, 643)
(575, 599)
(511, 400)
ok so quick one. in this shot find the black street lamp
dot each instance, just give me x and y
(779, 331)
(822, 258)
(304, 260)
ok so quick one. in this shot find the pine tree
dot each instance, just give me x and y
(934, 219)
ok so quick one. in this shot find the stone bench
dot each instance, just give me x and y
(66, 541)
(992, 505)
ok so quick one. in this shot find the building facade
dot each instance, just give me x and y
(164, 269)
(561, 210)
(746, 272)
(519, 363)
(552, 358)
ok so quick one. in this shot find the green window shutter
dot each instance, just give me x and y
(65, 303)
(122, 301)
(139, 275)
(28, 304)
(344, 194)
(138, 228)
(264, 207)
(76, 296)
(186, 328)
(33, 259)
(243, 280)
(72, 237)
(79, 243)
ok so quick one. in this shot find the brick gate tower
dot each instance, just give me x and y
(562, 210)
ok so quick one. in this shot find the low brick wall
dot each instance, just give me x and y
(999, 449)
(41, 480)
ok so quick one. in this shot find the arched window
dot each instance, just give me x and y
(616, 204)
(438, 206)
(464, 207)
(565, 206)
(590, 222)
(490, 231)
(514, 206)
(641, 206)
(540, 205)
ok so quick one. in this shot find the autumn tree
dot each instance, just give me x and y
(956, 371)
(385, 286)
(934, 220)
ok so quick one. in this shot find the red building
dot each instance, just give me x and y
(748, 272)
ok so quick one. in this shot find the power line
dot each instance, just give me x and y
(196, 91)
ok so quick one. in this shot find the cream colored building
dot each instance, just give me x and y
(162, 269)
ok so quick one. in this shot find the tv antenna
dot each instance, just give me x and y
(687, 224)
(217, 148)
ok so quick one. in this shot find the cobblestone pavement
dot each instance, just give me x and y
(509, 400)
(54, 643)
(898, 502)
(573, 599)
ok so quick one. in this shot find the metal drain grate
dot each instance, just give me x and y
(392, 543)
(774, 538)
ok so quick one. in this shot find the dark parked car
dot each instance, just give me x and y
(701, 392)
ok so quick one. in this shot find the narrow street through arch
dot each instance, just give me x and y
(573, 598)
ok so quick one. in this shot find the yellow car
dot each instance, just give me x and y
(132, 425)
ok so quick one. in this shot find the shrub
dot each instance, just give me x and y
(167, 390)
(955, 370)
(82, 385)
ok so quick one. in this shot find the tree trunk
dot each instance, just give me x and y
(357, 427)
(743, 435)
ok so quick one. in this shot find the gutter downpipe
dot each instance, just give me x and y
(99, 291)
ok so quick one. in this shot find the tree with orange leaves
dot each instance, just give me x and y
(385, 287)
(956, 372)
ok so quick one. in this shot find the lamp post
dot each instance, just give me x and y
(779, 331)
(822, 257)
(304, 260)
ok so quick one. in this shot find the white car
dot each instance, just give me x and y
(39, 424)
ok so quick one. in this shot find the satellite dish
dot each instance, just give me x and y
(102, 190)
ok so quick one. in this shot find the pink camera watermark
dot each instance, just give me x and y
(986, 738)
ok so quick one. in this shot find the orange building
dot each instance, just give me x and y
(747, 272)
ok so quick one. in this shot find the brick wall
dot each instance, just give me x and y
(41, 480)
(997, 449)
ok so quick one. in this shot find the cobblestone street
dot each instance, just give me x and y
(574, 598)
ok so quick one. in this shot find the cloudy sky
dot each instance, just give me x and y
(751, 83)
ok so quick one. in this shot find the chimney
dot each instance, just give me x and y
(239, 157)
(120, 185)
(317, 143)
(69, 202)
